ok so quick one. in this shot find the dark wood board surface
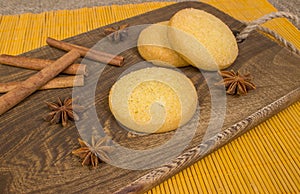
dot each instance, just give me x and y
(36, 156)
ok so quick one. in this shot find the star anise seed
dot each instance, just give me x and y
(236, 83)
(62, 111)
(94, 153)
(116, 34)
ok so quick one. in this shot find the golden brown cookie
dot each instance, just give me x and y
(202, 39)
(153, 100)
(153, 46)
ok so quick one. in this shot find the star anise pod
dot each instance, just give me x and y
(62, 111)
(116, 34)
(94, 153)
(236, 83)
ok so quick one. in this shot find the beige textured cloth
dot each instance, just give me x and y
(37, 6)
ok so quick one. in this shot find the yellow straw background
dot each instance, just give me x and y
(264, 160)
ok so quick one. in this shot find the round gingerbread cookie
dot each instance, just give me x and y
(153, 45)
(153, 100)
(202, 39)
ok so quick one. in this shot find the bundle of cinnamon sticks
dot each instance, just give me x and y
(48, 70)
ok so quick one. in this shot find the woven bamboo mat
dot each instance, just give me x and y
(264, 160)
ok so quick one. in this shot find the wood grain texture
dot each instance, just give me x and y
(36, 156)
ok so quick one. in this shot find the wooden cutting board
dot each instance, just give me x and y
(36, 156)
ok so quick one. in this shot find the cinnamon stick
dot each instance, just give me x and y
(86, 52)
(55, 83)
(33, 83)
(38, 64)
